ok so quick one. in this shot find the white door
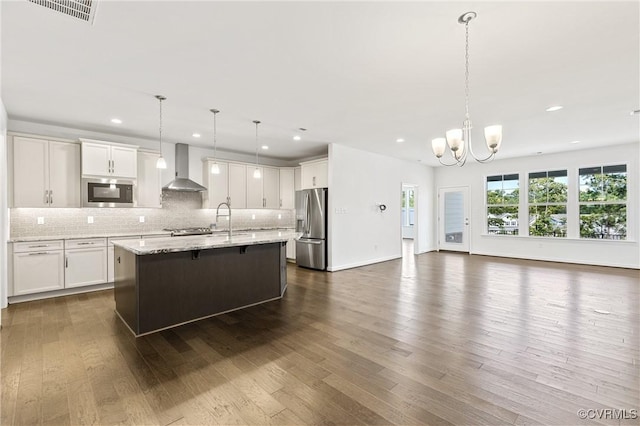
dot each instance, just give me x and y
(238, 185)
(453, 219)
(287, 192)
(124, 162)
(30, 172)
(149, 188)
(85, 267)
(34, 272)
(271, 188)
(64, 174)
(255, 197)
(218, 189)
(96, 159)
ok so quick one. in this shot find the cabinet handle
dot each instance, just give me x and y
(39, 246)
(113, 166)
(38, 253)
(85, 243)
(314, 181)
(50, 196)
(280, 202)
(46, 196)
(66, 261)
(264, 202)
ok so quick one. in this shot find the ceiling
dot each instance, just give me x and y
(361, 74)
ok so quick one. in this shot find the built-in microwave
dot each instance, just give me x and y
(107, 193)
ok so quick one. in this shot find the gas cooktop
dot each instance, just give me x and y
(183, 232)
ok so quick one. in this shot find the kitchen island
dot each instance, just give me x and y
(165, 282)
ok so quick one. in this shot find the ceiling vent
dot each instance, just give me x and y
(84, 10)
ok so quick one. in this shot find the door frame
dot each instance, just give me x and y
(466, 245)
(416, 217)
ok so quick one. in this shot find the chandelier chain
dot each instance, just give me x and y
(466, 71)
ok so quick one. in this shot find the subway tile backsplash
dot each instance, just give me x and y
(179, 210)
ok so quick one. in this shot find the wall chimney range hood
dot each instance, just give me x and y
(182, 181)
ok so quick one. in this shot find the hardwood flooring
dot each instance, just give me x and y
(440, 338)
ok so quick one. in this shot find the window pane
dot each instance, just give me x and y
(606, 221)
(548, 221)
(557, 188)
(591, 187)
(614, 185)
(510, 187)
(494, 192)
(502, 220)
(538, 189)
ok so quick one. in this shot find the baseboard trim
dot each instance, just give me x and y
(58, 293)
(363, 263)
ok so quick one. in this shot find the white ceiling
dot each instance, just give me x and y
(360, 74)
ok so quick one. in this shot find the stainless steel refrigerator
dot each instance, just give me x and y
(311, 220)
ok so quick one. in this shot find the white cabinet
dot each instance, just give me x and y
(104, 159)
(217, 184)
(45, 173)
(238, 185)
(291, 249)
(287, 191)
(149, 187)
(85, 262)
(263, 192)
(38, 266)
(314, 174)
(297, 178)
(271, 188)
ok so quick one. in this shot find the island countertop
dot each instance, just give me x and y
(203, 242)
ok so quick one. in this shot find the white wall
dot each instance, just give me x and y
(572, 250)
(4, 206)
(364, 235)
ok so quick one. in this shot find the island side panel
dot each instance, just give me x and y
(283, 267)
(174, 288)
(125, 288)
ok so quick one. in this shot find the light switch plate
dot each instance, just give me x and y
(40, 220)
(141, 219)
(89, 219)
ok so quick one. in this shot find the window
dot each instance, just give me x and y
(548, 204)
(603, 202)
(503, 196)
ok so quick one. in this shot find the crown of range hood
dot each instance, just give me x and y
(182, 181)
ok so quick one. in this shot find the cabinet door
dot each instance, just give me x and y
(149, 189)
(271, 188)
(287, 192)
(218, 187)
(30, 172)
(85, 267)
(238, 185)
(321, 175)
(297, 179)
(315, 175)
(124, 162)
(291, 249)
(34, 272)
(111, 264)
(254, 188)
(96, 159)
(64, 174)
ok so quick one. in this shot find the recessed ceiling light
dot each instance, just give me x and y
(574, 142)
(196, 135)
(297, 138)
(554, 108)
(265, 147)
(399, 140)
(116, 121)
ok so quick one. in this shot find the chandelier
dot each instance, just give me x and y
(459, 140)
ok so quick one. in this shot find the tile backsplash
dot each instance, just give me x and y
(179, 210)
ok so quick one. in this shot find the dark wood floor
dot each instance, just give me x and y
(440, 338)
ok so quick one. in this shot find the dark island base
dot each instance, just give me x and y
(158, 291)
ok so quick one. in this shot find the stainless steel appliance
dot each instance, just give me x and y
(107, 193)
(311, 220)
(183, 232)
(182, 181)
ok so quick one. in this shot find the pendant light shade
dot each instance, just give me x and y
(161, 163)
(215, 168)
(257, 174)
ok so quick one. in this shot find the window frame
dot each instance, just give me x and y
(516, 228)
(547, 203)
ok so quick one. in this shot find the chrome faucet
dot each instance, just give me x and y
(228, 204)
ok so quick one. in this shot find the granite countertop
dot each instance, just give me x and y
(123, 234)
(203, 242)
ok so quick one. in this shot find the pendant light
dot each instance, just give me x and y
(161, 164)
(215, 168)
(459, 140)
(256, 173)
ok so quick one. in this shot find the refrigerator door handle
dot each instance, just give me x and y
(305, 241)
(307, 224)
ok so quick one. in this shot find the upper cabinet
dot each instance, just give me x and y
(314, 174)
(217, 184)
(46, 173)
(149, 187)
(108, 159)
(287, 188)
(238, 185)
(263, 192)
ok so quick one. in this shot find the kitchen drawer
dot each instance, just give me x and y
(38, 246)
(85, 243)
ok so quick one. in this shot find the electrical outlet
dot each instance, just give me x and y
(89, 219)
(253, 217)
(141, 219)
(40, 220)
(279, 216)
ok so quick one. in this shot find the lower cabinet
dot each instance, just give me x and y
(111, 257)
(85, 262)
(37, 267)
(291, 249)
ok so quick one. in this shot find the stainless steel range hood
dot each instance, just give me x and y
(182, 181)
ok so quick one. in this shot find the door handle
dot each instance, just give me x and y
(280, 202)
(314, 181)
(50, 196)
(85, 244)
(46, 196)
(66, 261)
(314, 242)
(466, 221)
(38, 253)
